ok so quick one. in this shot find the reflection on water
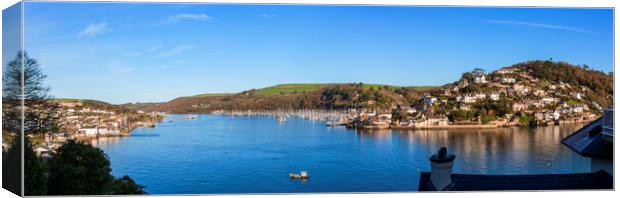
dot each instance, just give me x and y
(505, 150)
(103, 141)
(219, 154)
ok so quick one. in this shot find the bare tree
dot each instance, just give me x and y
(40, 112)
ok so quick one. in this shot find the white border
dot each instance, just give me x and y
(508, 3)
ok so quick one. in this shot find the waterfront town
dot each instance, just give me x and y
(530, 101)
(86, 119)
(510, 96)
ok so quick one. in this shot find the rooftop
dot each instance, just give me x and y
(608, 124)
(592, 140)
(473, 182)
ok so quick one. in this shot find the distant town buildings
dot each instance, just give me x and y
(479, 76)
(508, 80)
(82, 121)
(429, 100)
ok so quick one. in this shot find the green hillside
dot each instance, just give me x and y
(211, 94)
(90, 103)
(289, 88)
(66, 100)
(77, 100)
(298, 88)
(423, 88)
(308, 87)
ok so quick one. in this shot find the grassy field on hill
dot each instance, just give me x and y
(289, 88)
(76, 100)
(66, 100)
(302, 88)
(305, 88)
(211, 94)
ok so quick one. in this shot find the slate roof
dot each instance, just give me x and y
(608, 123)
(590, 142)
(472, 182)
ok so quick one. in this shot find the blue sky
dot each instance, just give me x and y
(11, 34)
(119, 52)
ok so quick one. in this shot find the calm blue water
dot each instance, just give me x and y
(220, 154)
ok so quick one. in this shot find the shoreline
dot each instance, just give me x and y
(429, 127)
(127, 132)
(122, 132)
(483, 126)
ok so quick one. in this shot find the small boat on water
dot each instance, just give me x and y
(301, 175)
(280, 118)
(335, 123)
(191, 117)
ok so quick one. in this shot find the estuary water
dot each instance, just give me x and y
(217, 154)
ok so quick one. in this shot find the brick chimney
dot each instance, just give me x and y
(441, 169)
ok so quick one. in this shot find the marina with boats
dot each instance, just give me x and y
(355, 119)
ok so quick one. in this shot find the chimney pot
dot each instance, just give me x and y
(441, 169)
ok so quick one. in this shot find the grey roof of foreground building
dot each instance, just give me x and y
(473, 182)
(595, 139)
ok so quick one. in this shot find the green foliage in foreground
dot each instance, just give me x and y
(11, 167)
(81, 169)
(34, 171)
(34, 174)
(125, 186)
(76, 169)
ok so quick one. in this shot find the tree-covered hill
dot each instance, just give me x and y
(301, 88)
(596, 86)
(599, 85)
(298, 96)
(96, 104)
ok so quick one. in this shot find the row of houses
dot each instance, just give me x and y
(76, 122)
(384, 121)
(523, 92)
(473, 98)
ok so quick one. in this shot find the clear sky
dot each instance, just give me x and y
(119, 52)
